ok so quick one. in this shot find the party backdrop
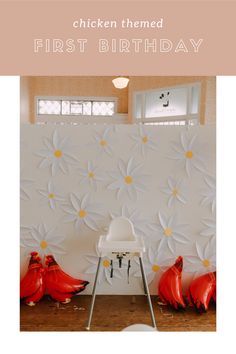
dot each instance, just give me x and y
(76, 178)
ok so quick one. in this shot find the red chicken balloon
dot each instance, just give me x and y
(201, 290)
(170, 285)
(61, 287)
(32, 286)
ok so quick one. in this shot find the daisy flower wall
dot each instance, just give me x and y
(167, 190)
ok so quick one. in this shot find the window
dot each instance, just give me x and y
(76, 107)
(78, 110)
(177, 105)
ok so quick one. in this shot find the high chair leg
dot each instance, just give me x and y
(146, 290)
(93, 295)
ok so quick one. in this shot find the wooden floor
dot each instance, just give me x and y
(111, 313)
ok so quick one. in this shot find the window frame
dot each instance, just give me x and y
(188, 117)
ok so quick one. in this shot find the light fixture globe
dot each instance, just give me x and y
(120, 82)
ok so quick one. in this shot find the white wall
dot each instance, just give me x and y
(157, 165)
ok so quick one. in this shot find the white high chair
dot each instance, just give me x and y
(121, 241)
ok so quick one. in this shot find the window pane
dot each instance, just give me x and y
(76, 107)
(138, 105)
(49, 107)
(87, 108)
(103, 108)
(195, 99)
(163, 103)
(66, 107)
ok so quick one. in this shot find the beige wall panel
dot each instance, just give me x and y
(25, 99)
(27, 89)
(211, 100)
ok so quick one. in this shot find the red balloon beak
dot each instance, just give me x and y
(179, 263)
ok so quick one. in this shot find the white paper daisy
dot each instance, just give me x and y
(43, 240)
(210, 227)
(204, 261)
(91, 175)
(169, 231)
(25, 185)
(188, 154)
(50, 196)
(103, 142)
(175, 192)
(144, 141)
(210, 230)
(155, 263)
(82, 211)
(57, 155)
(140, 224)
(128, 179)
(105, 269)
(209, 193)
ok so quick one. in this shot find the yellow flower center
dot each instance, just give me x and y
(82, 213)
(51, 195)
(206, 263)
(175, 192)
(58, 153)
(155, 268)
(128, 179)
(43, 244)
(168, 232)
(103, 142)
(189, 154)
(106, 263)
(91, 175)
(145, 139)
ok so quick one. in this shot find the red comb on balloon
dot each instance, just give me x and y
(34, 253)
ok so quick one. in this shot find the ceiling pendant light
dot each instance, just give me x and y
(120, 82)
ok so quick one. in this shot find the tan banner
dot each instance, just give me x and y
(115, 38)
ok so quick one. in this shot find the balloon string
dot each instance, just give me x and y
(128, 270)
(111, 275)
